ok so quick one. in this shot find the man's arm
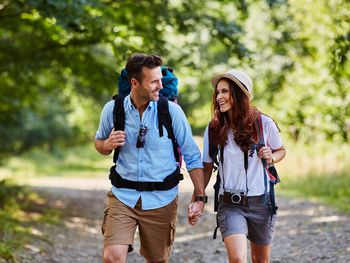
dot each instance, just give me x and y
(197, 178)
(208, 169)
(114, 140)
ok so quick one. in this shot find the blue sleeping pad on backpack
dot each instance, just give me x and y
(169, 81)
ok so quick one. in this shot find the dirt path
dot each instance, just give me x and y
(306, 231)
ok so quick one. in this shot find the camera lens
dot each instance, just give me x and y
(235, 198)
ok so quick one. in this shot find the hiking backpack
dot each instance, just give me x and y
(269, 170)
(168, 92)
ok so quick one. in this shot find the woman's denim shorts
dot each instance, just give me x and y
(255, 220)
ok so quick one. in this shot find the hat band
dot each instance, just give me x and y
(244, 86)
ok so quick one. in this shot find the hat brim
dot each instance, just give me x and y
(217, 78)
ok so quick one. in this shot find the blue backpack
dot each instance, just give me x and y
(169, 81)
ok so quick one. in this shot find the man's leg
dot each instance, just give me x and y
(118, 228)
(115, 254)
(157, 231)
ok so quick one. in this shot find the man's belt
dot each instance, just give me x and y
(169, 182)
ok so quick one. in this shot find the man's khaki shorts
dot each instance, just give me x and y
(156, 227)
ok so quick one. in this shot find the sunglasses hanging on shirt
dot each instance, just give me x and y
(141, 137)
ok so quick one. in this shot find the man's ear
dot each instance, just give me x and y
(134, 82)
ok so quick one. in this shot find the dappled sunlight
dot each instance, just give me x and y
(82, 224)
(285, 213)
(32, 216)
(327, 219)
(36, 232)
(32, 248)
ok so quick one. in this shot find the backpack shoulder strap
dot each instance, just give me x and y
(269, 171)
(164, 119)
(260, 131)
(118, 119)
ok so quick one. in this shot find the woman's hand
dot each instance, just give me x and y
(266, 153)
(194, 212)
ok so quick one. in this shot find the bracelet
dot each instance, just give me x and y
(273, 158)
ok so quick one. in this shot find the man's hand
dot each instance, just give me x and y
(195, 211)
(114, 140)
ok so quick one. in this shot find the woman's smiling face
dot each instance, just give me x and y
(223, 95)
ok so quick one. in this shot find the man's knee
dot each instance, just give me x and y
(112, 254)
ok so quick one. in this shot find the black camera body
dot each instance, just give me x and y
(238, 198)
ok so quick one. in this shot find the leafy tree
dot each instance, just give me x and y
(56, 54)
(59, 61)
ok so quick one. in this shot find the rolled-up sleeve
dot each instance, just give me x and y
(106, 121)
(183, 135)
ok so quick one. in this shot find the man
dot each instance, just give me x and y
(144, 156)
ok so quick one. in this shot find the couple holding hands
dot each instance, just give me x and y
(146, 175)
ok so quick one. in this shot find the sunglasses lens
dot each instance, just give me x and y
(141, 137)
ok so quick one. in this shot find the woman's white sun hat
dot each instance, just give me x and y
(239, 77)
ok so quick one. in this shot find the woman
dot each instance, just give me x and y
(244, 209)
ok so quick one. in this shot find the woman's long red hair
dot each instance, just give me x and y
(244, 116)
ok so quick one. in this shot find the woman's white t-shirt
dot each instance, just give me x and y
(232, 172)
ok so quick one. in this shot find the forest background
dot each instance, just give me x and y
(59, 63)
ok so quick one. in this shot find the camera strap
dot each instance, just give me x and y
(221, 150)
(246, 170)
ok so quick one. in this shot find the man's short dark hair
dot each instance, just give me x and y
(136, 62)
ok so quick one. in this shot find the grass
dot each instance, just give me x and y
(319, 172)
(19, 214)
(333, 190)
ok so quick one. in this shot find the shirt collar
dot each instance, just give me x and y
(131, 107)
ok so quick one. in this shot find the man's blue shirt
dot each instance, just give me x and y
(156, 160)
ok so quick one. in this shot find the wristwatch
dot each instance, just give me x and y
(202, 198)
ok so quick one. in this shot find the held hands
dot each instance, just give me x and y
(194, 212)
(115, 139)
(266, 153)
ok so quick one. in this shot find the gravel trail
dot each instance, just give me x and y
(305, 231)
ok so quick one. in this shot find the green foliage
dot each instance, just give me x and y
(59, 61)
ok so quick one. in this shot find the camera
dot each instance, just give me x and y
(239, 198)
